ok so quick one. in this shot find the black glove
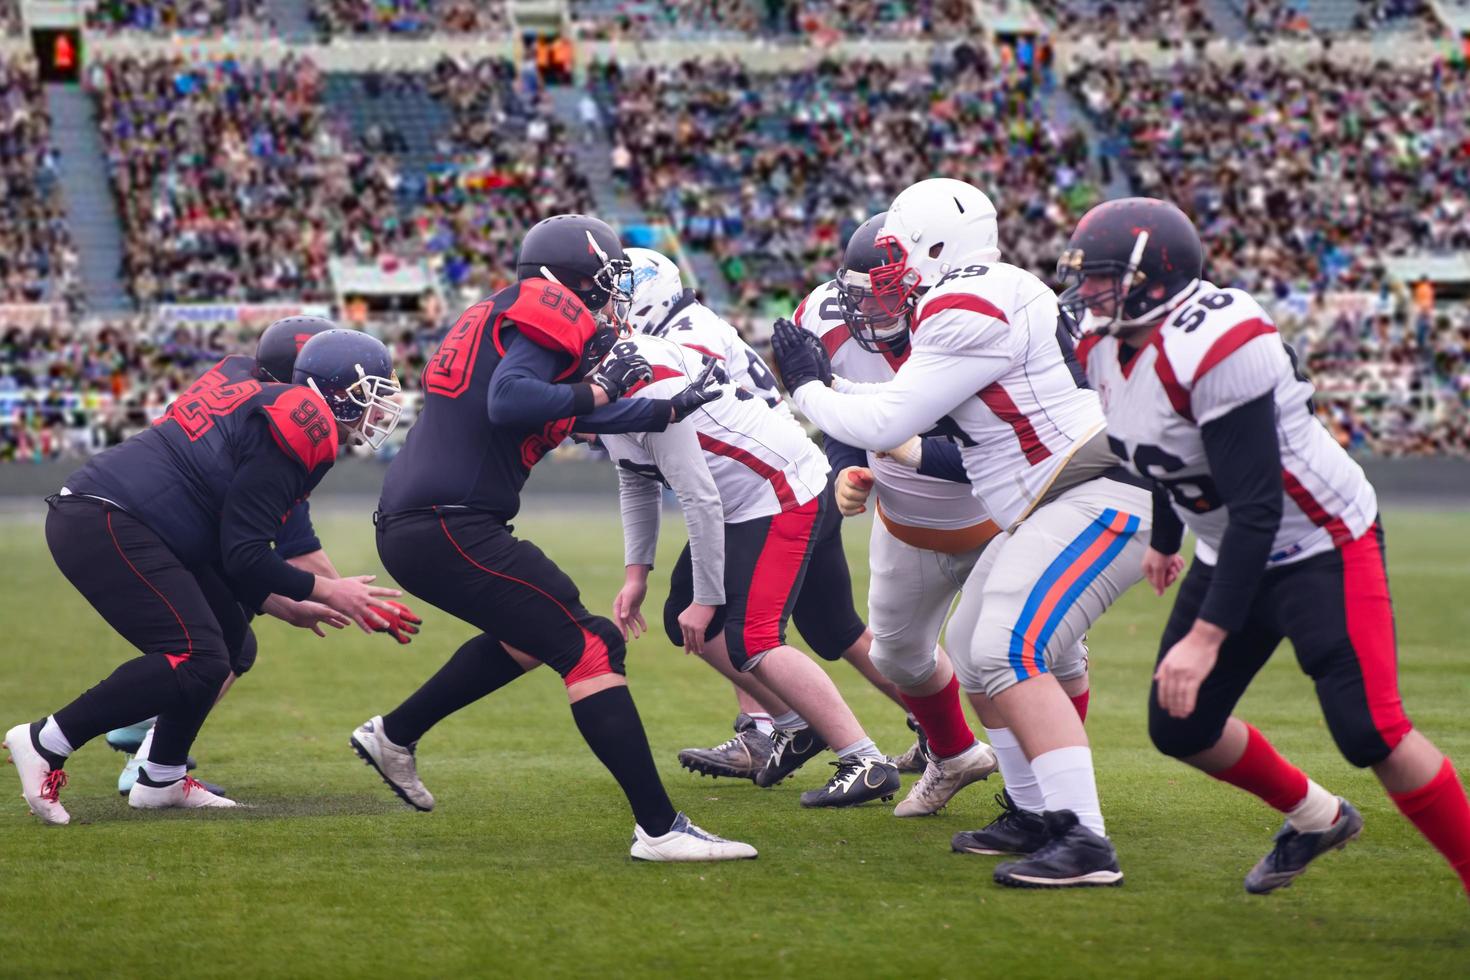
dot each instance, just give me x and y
(800, 356)
(618, 374)
(701, 391)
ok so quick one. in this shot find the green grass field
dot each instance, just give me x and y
(523, 868)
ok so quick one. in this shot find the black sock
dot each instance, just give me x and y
(477, 668)
(138, 688)
(52, 759)
(609, 722)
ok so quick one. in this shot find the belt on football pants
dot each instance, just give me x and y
(946, 541)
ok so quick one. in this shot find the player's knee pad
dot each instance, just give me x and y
(1358, 739)
(904, 665)
(243, 657)
(603, 652)
(675, 632)
(1180, 738)
(987, 663)
(201, 676)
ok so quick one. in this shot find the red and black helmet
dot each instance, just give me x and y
(583, 254)
(1149, 252)
(874, 327)
(279, 343)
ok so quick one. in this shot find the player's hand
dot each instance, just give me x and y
(1185, 667)
(304, 615)
(701, 391)
(694, 621)
(402, 624)
(617, 375)
(628, 606)
(1161, 570)
(854, 484)
(910, 454)
(800, 356)
(358, 599)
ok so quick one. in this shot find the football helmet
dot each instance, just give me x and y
(584, 255)
(353, 372)
(933, 228)
(275, 352)
(873, 327)
(657, 288)
(1129, 263)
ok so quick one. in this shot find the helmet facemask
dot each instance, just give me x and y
(872, 326)
(369, 408)
(608, 294)
(1126, 304)
(894, 286)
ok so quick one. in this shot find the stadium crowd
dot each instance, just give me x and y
(1297, 177)
(1104, 20)
(37, 262)
(888, 19)
(770, 172)
(408, 18)
(178, 16)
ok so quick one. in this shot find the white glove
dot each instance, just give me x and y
(910, 454)
(854, 484)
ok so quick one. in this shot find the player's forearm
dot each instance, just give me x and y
(315, 562)
(638, 501)
(1167, 535)
(523, 394)
(942, 460)
(841, 455)
(628, 415)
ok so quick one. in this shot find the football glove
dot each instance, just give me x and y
(402, 623)
(854, 484)
(701, 391)
(800, 356)
(618, 375)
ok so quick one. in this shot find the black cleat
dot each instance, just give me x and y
(916, 759)
(742, 757)
(790, 750)
(1075, 857)
(1295, 849)
(856, 781)
(1015, 831)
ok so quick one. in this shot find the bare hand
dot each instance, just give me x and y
(694, 621)
(854, 484)
(627, 608)
(305, 615)
(1161, 570)
(358, 599)
(1185, 667)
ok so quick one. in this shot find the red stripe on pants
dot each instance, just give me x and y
(775, 574)
(1370, 630)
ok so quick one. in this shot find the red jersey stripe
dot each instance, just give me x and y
(834, 339)
(755, 464)
(999, 401)
(1231, 341)
(960, 301)
(1314, 510)
(1178, 397)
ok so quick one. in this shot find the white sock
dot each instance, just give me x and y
(763, 722)
(1315, 813)
(52, 739)
(791, 721)
(1015, 769)
(145, 746)
(863, 748)
(1067, 783)
(164, 774)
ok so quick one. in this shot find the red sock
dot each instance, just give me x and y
(943, 719)
(1079, 702)
(1261, 770)
(1440, 811)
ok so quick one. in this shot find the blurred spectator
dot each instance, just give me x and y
(37, 262)
(179, 16)
(888, 19)
(1170, 21)
(10, 21)
(409, 17)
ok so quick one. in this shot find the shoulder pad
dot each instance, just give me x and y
(1085, 347)
(546, 314)
(301, 424)
(1211, 327)
(238, 367)
(666, 358)
(821, 314)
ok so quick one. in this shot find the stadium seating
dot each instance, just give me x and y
(37, 263)
(177, 16)
(409, 18)
(742, 18)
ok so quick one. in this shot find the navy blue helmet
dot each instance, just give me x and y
(583, 254)
(872, 324)
(353, 372)
(275, 352)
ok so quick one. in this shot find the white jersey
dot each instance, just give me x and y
(905, 496)
(985, 354)
(1215, 353)
(762, 462)
(701, 329)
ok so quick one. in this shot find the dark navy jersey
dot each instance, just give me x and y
(216, 477)
(498, 396)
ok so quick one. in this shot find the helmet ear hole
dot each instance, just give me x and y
(935, 250)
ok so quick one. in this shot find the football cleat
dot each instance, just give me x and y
(1295, 849)
(914, 760)
(790, 750)
(396, 764)
(187, 793)
(1015, 831)
(1074, 857)
(40, 785)
(130, 738)
(686, 842)
(943, 778)
(856, 781)
(741, 757)
(128, 776)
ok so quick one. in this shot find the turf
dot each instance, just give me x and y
(523, 868)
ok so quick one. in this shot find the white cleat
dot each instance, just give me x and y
(395, 763)
(187, 794)
(943, 778)
(686, 842)
(40, 785)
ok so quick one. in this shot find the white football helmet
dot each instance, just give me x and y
(933, 227)
(657, 286)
